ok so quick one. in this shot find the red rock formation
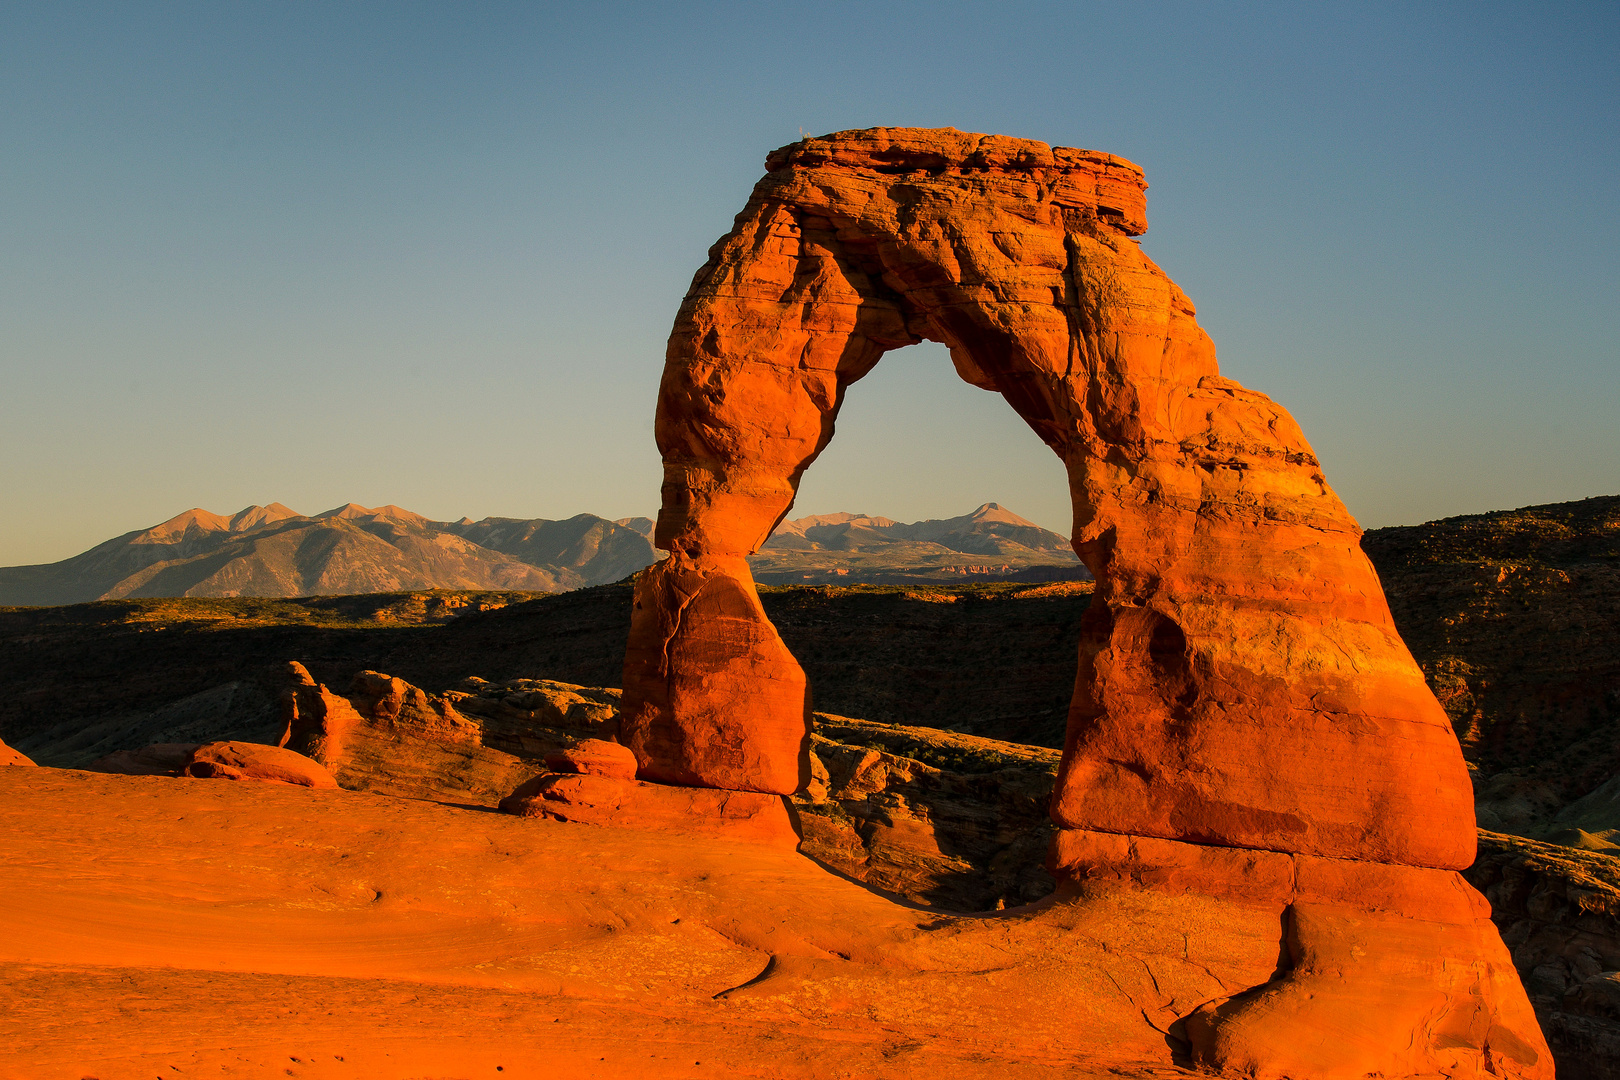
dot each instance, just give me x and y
(594, 757)
(317, 720)
(8, 756)
(1386, 969)
(254, 761)
(716, 699)
(1242, 682)
(389, 737)
(1242, 689)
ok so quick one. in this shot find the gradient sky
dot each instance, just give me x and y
(428, 254)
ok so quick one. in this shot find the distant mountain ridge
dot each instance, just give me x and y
(861, 548)
(275, 551)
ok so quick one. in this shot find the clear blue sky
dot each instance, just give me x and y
(429, 254)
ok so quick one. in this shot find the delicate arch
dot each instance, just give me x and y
(1240, 680)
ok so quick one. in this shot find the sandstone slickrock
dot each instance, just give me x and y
(392, 939)
(255, 761)
(8, 756)
(958, 823)
(1243, 699)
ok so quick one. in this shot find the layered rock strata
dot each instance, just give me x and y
(1559, 912)
(1244, 707)
(470, 746)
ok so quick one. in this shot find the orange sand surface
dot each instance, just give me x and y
(158, 927)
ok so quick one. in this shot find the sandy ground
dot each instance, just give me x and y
(155, 927)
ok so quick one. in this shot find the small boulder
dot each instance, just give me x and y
(524, 795)
(8, 756)
(159, 759)
(253, 761)
(594, 757)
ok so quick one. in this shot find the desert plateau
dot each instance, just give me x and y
(1218, 784)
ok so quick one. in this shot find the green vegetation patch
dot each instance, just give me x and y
(366, 610)
(950, 594)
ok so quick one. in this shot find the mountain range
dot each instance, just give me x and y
(274, 551)
(991, 543)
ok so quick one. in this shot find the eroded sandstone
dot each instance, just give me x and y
(472, 746)
(254, 761)
(1245, 712)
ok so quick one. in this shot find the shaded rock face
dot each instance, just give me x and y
(466, 746)
(1559, 913)
(158, 759)
(1513, 616)
(936, 818)
(240, 710)
(1246, 721)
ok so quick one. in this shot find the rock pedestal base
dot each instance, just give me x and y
(712, 698)
(1381, 970)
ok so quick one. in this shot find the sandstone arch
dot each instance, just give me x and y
(1241, 681)
(1246, 723)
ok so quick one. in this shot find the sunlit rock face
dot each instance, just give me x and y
(1241, 680)
(8, 756)
(1246, 722)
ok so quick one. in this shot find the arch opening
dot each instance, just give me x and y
(914, 441)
